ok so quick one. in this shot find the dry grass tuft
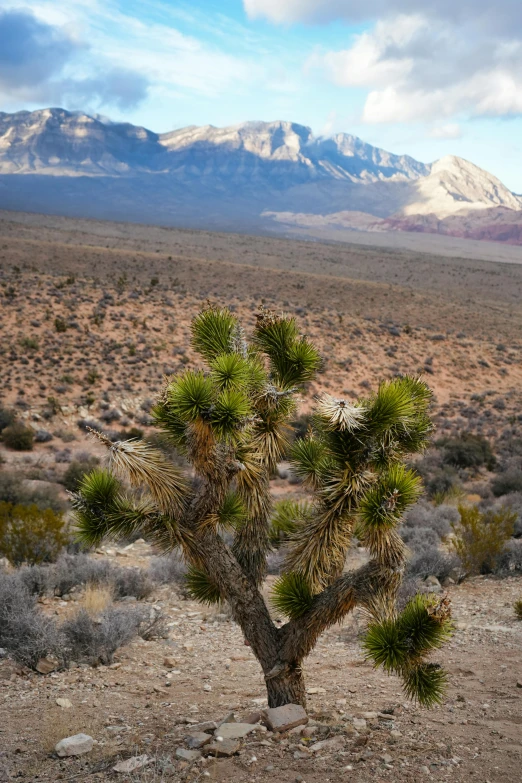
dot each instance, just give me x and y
(97, 598)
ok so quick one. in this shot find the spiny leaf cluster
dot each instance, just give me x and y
(401, 645)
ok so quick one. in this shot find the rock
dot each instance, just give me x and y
(42, 436)
(197, 739)
(395, 735)
(332, 744)
(387, 759)
(313, 691)
(64, 703)
(187, 755)
(136, 762)
(170, 663)
(208, 725)
(45, 666)
(228, 747)
(234, 730)
(286, 717)
(252, 717)
(207, 688)
(359, 724)
(76, 745)
(371, 715)
(433, 582)
(3, 652)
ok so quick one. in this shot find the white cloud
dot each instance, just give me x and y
(502, 16)
(450, 131)
(419, 69)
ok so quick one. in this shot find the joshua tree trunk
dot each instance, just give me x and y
(287, 688)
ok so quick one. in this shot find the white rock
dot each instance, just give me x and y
(64, 703)
(286, 717)
(234, 730)
(136, 762)
(75, 745)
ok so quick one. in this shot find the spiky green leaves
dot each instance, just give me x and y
(310, 461)
(292, 595)
(383, 505)
(201, 587)
(294, 360)
(426, 684)
(230, 371)
(288, 514)
(400, 645)
(232, 513)
(213, 332)
(229, 413)
(399, 411)
(190, 396)
(103, 511)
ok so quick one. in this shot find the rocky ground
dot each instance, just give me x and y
(156, 695)
(92, 318)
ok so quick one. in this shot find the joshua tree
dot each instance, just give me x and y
(232, 424)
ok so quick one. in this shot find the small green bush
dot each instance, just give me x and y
(60, 325)
(518, 609)
(480, 538)
(29, 534)
(467, 451)
(18, 437)
(75, 472)
(7, 417)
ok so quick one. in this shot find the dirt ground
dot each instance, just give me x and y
(140, 705)
(92, 317)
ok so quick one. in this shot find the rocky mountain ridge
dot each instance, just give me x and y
(252, 176)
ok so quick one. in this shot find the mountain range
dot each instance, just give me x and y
(257, 176)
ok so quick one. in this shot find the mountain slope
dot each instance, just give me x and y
(253, 176)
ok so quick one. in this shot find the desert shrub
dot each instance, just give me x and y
(152, 625)
(131, 434)
(74, 570)
(481, 537)
(131, 581)
(25, 632)
(97, 639)
(168, 569)
(510, 559)
(518, 609)
(29, 534)
(467, 451)
(35, 578)
(437, 518)
(76, 471)
(7, 417)
(18, 437)
(300, 425)
(512, 501)
(431, 562)
(507, 482)
(419, 538)
(443, 482)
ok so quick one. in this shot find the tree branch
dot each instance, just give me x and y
(358, 587)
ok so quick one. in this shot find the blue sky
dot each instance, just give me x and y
(411, 77)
